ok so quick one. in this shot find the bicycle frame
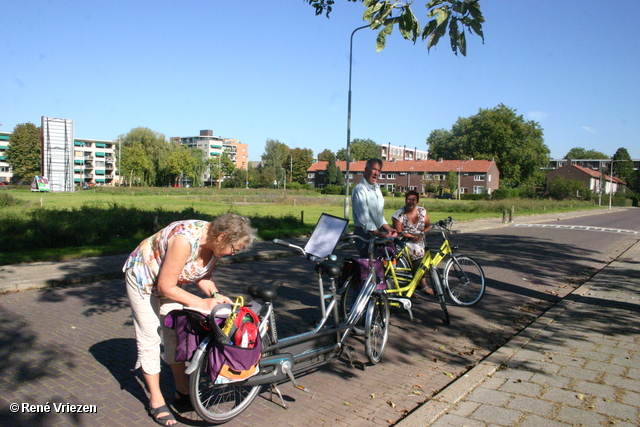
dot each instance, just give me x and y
(285, 357)
(427, 262)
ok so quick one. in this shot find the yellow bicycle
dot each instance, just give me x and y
(462, 278)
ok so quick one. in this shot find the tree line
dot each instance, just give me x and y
(500, 134)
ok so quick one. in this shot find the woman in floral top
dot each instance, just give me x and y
(413, 219)
(183, 252)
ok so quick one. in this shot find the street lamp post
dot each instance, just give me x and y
(459, 169)
(346, 192)
(611, 179)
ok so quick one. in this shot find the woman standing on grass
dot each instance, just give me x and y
(184, 252)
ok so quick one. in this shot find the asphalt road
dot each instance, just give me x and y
(77, 342)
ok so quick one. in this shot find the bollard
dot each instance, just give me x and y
(513, 208)
(302, 217)
(504, 216)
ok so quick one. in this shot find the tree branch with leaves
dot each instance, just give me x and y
(454, 16)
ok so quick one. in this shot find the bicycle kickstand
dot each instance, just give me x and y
(275, 388)
(354, 363)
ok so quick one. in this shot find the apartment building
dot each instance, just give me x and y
(5, 169)
(214, 146)
(474, 176)
(396, 153)
(94, 162)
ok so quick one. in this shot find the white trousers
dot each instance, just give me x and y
(149, 312)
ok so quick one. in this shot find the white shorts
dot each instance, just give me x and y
(149, 312)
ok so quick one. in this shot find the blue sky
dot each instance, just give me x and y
(273, 70)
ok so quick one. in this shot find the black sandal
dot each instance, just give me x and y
(163, 420)
(183, 402)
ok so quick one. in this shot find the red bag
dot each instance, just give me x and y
(246, 334)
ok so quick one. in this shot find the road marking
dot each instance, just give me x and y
(580, 227)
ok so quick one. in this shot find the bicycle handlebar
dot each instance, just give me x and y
(373, 239)
(443, 224)
(310, 257)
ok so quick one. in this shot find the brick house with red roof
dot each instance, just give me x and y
(476, 176)
(593, 179)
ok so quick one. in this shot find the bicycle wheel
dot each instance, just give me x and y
(350, 291)
(219, 403)
(436, 285)
(464, 280)
(376, 327)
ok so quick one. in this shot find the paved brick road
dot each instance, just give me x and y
(74, 345)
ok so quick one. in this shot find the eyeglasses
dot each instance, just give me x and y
(233, 250)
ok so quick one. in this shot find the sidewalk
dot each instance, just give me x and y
(576, 365)
(20, 277)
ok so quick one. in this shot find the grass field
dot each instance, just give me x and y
(53, 226)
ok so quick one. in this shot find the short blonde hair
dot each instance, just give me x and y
(236, 229)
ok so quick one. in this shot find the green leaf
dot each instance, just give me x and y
(436, 35)
(382, 15)
(408, 24)
(381, 40)
(462, 44)
(453, 35)
(371, 10)
(443, 15)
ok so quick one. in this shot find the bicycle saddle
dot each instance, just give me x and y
(266, 292)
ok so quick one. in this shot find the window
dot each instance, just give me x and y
(383, 176)
(464, 190)
(478, 189)
(391, 176)
(479, 177)
(310, 175)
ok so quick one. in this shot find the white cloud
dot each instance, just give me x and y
(537, 115)
(588, 129)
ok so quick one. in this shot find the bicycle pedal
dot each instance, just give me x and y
(359, 365)
(286, 368)
(301, 388)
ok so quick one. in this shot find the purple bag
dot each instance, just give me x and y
(191, 328)
(226, 363)
(361, 267)
(230, 363)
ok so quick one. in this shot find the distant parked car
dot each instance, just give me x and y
(445, 196)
